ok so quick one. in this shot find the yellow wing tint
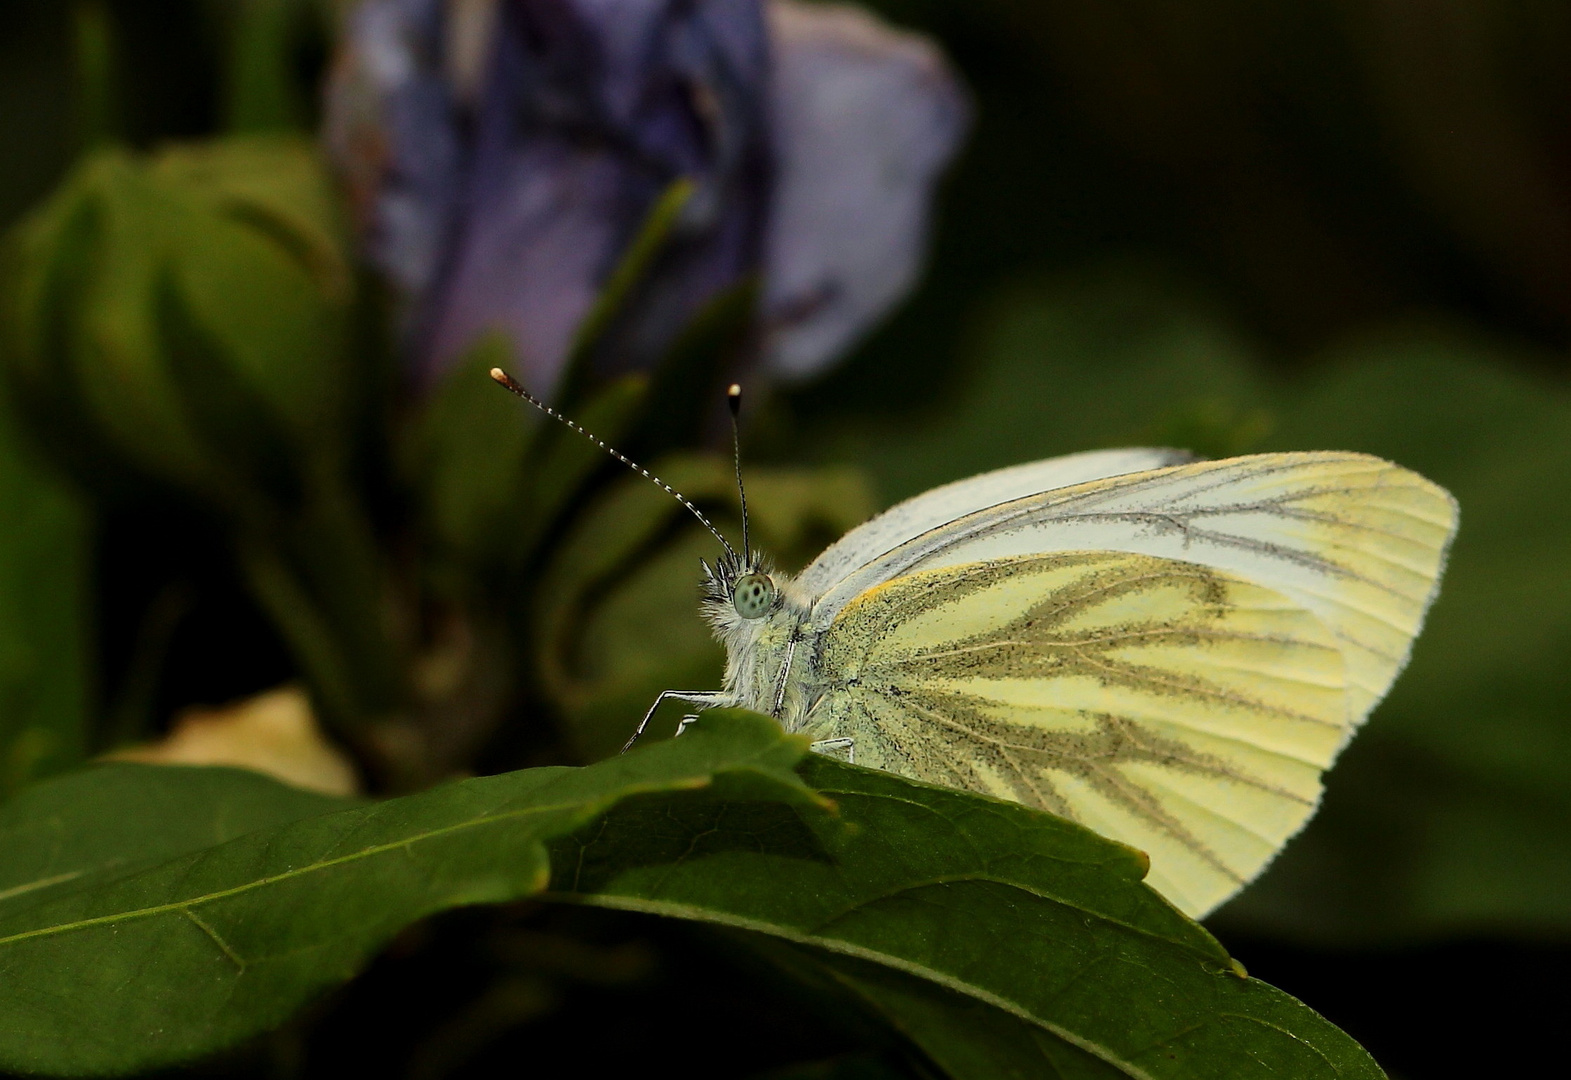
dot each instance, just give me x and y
(1355, 540)
(1172, 706)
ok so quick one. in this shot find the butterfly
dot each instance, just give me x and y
(1168, 651)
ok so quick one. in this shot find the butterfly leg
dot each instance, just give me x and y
(686, 722)
(785, 674)
(705, 699)
(832, 748)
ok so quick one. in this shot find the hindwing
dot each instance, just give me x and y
(1173, 706)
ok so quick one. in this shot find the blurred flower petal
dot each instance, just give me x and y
(865, 119)
(502, 154)
(273, 733)
(511, 213)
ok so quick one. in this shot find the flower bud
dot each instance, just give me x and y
(182, 318)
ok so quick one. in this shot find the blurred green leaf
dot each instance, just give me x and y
(227, 941)
(492, 474)
(45, 685)
(465, 458)
(631, 273)
(1116, 358)
(183, 320)
(279, 185)
(1447, 813)
(617, 617)
(999, 940)
(563, 462)
(686, 393)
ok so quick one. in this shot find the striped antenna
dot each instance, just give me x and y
(508, 382)
(733, 399)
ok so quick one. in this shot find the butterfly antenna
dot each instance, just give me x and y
(509, 383)
(734, 403)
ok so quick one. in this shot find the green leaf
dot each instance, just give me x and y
(91, 826)
(562, 462)
(465, 460)
(227, 941)
(492, 474)
(1000, 940)
(182, 319)
(632, 271)
(261, 264)
(685, 392)
(996, 939)
(1122, 358)
(45, 685)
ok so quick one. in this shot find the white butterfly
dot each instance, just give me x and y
(1169, 652)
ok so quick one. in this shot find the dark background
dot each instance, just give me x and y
(1225, 225)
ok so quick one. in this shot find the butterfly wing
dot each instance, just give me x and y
(1355, 540)
(1176, 708)
(942, 505)
(1170, 657)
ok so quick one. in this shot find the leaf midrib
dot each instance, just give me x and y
(310, 868)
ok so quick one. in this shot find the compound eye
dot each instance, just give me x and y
(754, 595)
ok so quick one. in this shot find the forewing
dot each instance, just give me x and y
(942, 505)
(1177, 708)
(1355, 540)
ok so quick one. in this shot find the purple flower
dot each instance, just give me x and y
(502, 153)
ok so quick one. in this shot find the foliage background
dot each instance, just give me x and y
(1233, 227)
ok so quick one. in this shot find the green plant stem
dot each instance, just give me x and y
(308, 633)
(333, 543)
(130, 717)
(260, 93)
(95, 97)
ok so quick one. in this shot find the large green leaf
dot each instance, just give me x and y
(995, 939)
(198, 952)
(1447, 812)
(96, 824)
(1000, 940)
(44, 628)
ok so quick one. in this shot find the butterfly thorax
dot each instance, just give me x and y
(757, 648)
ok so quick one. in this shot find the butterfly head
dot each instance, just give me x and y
(740, 588)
